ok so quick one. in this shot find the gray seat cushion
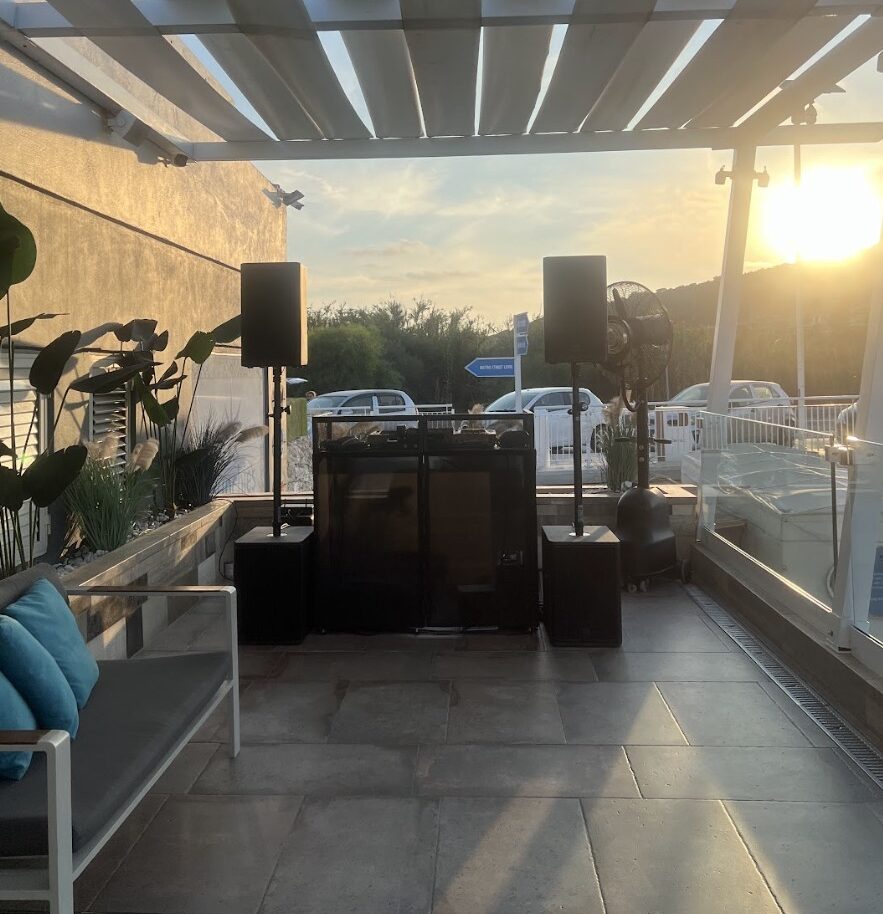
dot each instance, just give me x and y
(137, 712)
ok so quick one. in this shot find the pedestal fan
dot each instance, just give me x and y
(639, 340)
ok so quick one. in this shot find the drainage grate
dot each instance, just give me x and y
(867, 758)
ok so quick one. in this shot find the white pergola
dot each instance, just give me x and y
(466, 77)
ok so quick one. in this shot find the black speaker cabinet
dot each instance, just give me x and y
(274, 585)
(581, 587)
(274, 315)
(575, 309)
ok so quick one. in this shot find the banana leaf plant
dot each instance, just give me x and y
(158, 389)
(44, 478)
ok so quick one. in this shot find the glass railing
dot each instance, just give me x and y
(770, 490)
(866, 533)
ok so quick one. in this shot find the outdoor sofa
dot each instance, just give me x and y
(140, 715)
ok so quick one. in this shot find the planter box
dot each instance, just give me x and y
(185, 551)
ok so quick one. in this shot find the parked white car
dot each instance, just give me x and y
(362, 403)
(552, 405)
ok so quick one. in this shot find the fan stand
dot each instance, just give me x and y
(577, 414)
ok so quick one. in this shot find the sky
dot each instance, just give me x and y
(473, 231)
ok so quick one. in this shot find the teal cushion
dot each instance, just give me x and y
(14, 715)
(37, 677)
(44, 612)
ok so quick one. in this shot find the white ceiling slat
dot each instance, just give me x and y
(383, 68)
(590, 56)
(155, 62)
(854, 51)
(445, 61)
(282, 31)
(734, 49)
(799, 44)
(513, 58)
(262, 86)
(645, 64)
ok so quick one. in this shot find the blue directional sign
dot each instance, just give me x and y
(522, 324)
(490, 367)
(520, 345)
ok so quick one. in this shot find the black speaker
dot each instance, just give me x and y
(581, 587)
(575, 308)
(274, 315)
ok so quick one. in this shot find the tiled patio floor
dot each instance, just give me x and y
(491, 775)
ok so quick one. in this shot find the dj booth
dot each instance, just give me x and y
(425, 522)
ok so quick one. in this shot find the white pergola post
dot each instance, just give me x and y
(729, 299)
(864, 500)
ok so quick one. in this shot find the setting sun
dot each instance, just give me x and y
(835, 214)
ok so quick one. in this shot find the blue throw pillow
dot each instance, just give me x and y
(14, 715)
(36, 676)
(44, 612)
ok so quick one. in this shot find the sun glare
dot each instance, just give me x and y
(835, 214)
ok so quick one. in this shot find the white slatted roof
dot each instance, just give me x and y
(464, 77)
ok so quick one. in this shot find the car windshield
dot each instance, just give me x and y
(505, 404)
(326, 402)
(691, 394)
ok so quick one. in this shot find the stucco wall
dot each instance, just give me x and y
(118, 239)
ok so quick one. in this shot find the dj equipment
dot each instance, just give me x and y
(274, 315)
(575, 308)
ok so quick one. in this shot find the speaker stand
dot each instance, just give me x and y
(278, 411)
(577, 412)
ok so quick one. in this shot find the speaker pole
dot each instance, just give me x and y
(277, 451)
(576, 410)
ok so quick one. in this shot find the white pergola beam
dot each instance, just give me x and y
(430, 147)
(213, 16)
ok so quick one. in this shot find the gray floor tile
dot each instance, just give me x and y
(531, 771)
(514, 856)
(817, 857)
(180, 776)
(333, 641)
(414, 643)
(99, 871)
(259, 664)
(370, 666)
(733, 773)
(504, 712)
(811, 730)
(505, 641)
(275, 711)
(403, 713)
(632, 666)
(571, 665)
(617, 713)
(673, 857)
(202, 855)
(324, 770)
(357, 856)
(729, 714)
(647, 628)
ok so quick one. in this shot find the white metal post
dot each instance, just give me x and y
(728, 302)
(61, 869)
(861, 516)
(798, 298)
(518, 398)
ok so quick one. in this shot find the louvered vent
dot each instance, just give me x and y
(110, 419)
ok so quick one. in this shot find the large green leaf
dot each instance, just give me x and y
(24, 323)
(12, 493)
(139, 330)
(199, 347)
(159, 342)
(18, 251)
(6, 450)
(229, 331)
(50, 474)
(168, 383)
(48, 366)
(154, 412)
(137, 357)
(108, 381)
(170, 408)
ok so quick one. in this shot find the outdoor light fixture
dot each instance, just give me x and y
(280, 197)
(809, 114)
(762, 177)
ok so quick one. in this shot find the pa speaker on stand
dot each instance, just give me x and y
(274, 335)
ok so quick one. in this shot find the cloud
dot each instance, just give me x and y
(392, 249)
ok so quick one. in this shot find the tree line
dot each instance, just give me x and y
(423, 348)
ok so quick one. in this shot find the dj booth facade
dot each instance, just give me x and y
(425, 522)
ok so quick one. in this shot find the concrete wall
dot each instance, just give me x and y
(118, 239)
